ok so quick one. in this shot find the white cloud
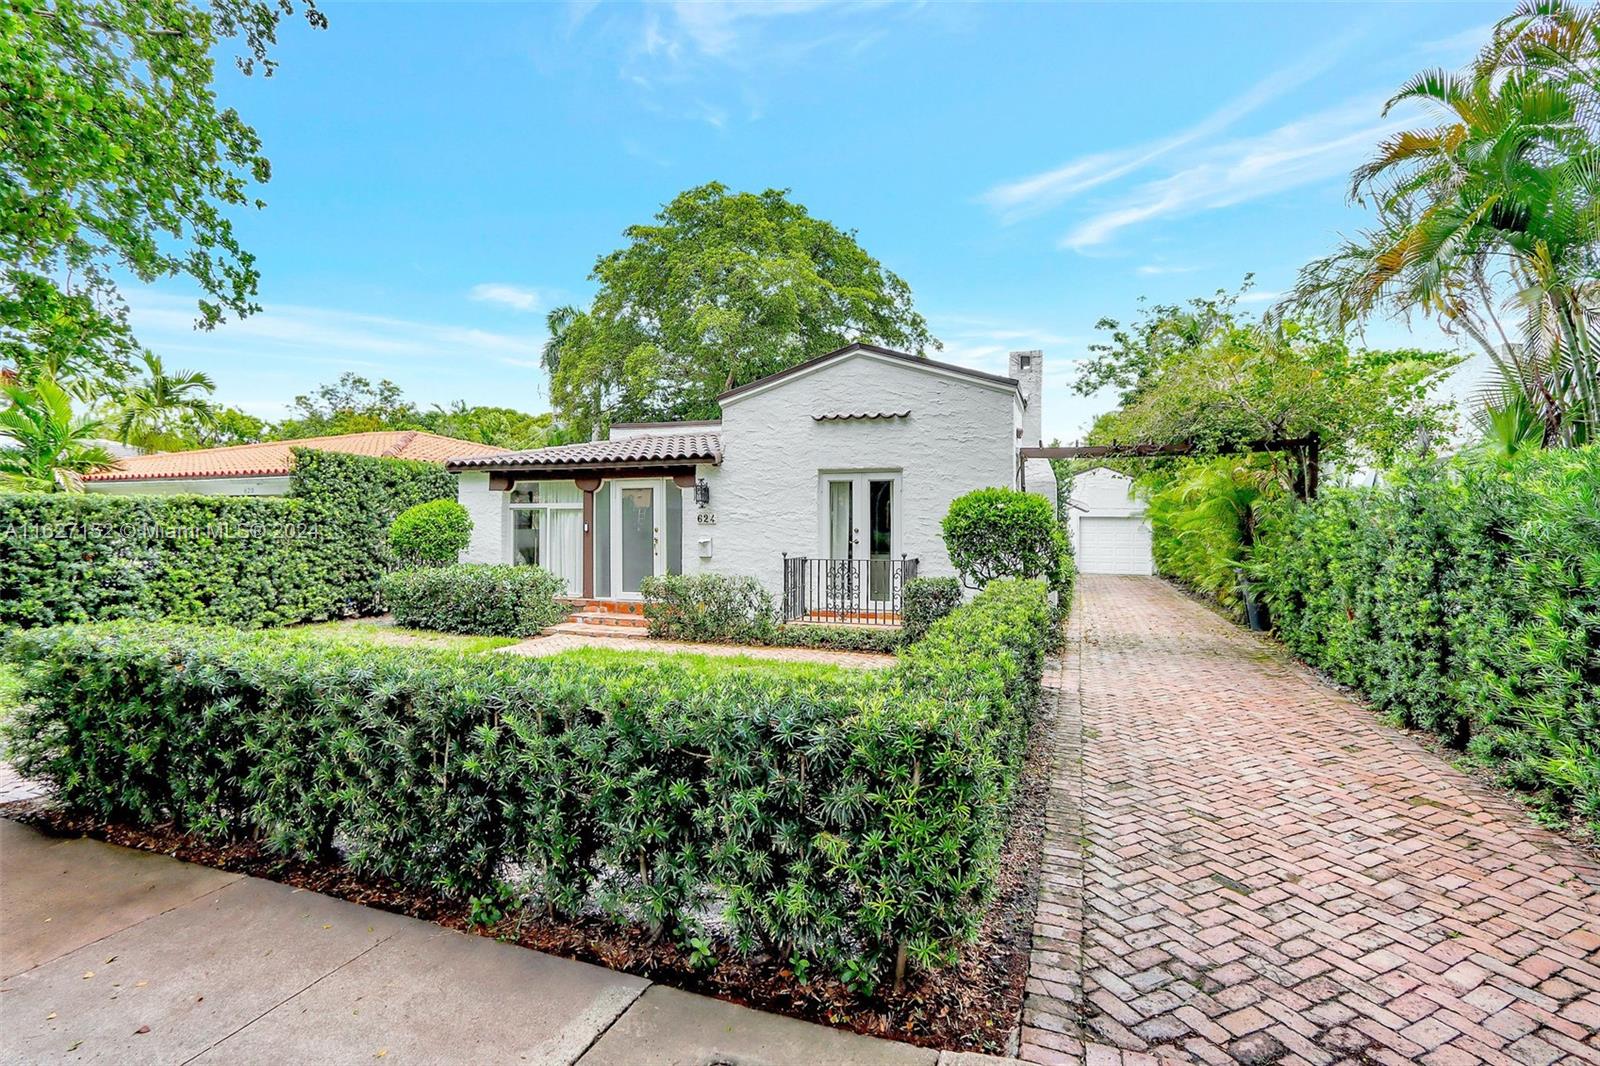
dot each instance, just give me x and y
(710, 62)
(1461, 45)
(1260, 297)
(1032, 195)
(716, 29)
(1316, 148)
(1151, 270)
(289, 330)
(516, 297)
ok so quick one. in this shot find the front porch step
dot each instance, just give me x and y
(609, 619)
(588, 629)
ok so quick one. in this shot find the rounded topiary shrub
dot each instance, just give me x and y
(430, 534)
(494, 601)
(994, 533)
(924, 601)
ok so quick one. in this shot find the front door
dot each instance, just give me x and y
(861, 533)
(638, 548)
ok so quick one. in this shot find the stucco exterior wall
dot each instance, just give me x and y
(1101, 492)
(196, 486)
(959, 436)
(491, 520)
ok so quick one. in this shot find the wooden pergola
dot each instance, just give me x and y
(1307, 450)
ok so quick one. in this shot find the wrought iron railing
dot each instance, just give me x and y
(847, 591)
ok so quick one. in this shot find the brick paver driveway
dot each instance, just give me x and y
(1243, 864)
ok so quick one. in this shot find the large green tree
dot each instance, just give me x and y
(722, 288)
(1204, 374)
(354, 404)
(115, 156)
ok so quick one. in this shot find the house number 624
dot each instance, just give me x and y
(706, 518)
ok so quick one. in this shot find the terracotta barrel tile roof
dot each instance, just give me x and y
(696, 446)
(274, 458)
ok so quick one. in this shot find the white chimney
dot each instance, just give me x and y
(1028, 368)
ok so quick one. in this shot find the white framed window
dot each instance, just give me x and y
(547, 529)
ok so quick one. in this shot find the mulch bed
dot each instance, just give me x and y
(974, 1005)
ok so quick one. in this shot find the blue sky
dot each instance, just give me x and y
(444, 174)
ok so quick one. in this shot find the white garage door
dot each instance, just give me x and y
(1114, 546)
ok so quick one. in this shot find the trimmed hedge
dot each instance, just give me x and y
(925, 600)
(431, 534)
(478, 598)
(709, 607)
(885, 639)
(855, 821)
(1462, 598)
(353, 499)
(243, 561)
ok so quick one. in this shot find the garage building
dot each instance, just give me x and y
(1109, 532)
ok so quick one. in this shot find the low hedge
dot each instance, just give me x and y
(925, 600)
(1462, 598)
(487, 600)
(855, 821)
(884, 639)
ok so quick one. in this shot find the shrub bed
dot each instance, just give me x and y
(1462, 598)
(482, 599)
(709, 607)
(717, 609)
(853, 823)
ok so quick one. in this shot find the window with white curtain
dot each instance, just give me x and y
(547, 529)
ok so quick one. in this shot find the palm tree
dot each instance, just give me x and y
(150, 409)
(1494, 211)
(48, 448)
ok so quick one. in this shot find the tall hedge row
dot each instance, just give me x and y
(1463, 598)
(351, 500)
(244, 561)
(855, 821)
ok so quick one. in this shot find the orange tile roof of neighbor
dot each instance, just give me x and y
(274, 458)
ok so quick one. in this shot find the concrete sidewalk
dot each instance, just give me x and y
(114, 955)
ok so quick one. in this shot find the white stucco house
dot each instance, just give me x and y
(1110, 534)
(827, 482)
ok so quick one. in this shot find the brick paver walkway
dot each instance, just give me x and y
(556, 643)
(1242, 864)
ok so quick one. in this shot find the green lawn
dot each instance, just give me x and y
(362, 631)
(708, 664)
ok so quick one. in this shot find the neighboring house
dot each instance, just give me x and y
(263, 469)
(1109, 532)
(827, 482)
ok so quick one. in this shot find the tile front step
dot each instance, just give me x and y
(607, 618)
(613, 632)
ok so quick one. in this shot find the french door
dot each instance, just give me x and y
(860, 534)
(638, 546)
